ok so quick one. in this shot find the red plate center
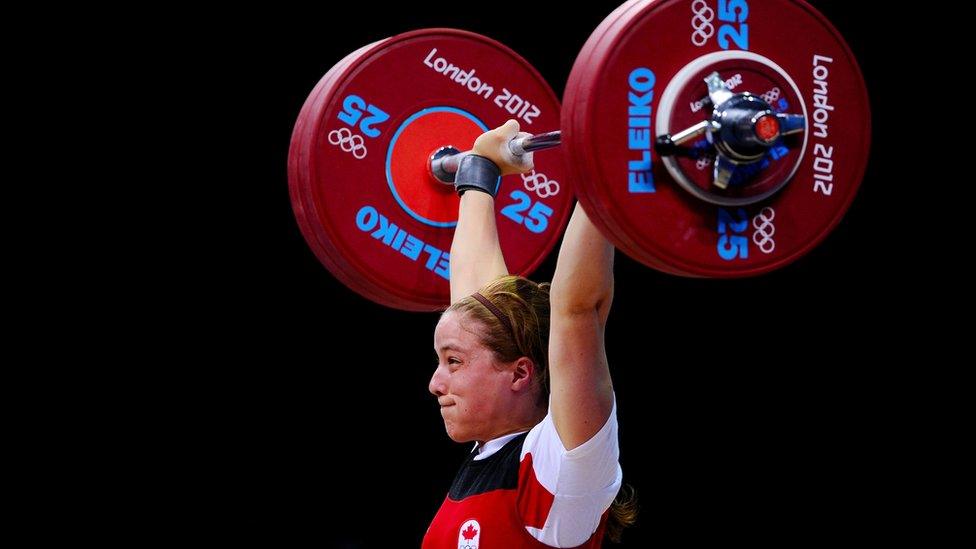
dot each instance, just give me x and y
(420, 195)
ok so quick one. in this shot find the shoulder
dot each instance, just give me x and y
(563, 494)
(589, 467)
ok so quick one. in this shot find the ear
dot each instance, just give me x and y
(523, 374)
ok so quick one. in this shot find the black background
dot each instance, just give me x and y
(745, 406)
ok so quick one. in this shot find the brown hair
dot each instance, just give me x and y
(525, 304)
(623, 512)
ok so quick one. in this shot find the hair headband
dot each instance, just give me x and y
(495, 311)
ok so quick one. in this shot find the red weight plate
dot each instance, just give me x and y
(574, 139)
(304, 210)
(358, 165)
(637, 61)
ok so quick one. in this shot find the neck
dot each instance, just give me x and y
(517, 427)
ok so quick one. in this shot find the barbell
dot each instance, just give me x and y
(704, 138)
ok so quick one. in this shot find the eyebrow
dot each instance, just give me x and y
(448, 347)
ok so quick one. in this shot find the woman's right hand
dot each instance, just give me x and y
(493, 145)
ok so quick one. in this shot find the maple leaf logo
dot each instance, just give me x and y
(469, 532)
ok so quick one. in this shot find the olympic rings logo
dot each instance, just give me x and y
(701, 22)
(763, 237)
(349, 142)
(771, 95)
(539, 182)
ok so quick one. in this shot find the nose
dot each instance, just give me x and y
(438, 382)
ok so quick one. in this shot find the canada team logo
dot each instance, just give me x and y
(469, 535)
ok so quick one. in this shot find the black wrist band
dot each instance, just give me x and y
(478, 173)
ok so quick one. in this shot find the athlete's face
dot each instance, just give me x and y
(472, 388)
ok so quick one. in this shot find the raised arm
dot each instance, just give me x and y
(476, 255)
(581, 293)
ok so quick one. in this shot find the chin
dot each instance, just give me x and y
(458, 436)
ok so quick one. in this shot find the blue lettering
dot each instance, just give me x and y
(732, 246)
(386, 232)
(366, 218)
(642, 79)
(434, 253)
(639, 140)
(411, 248)
(444, 266)
(640, 179)
(438, 261)
(398, 241)
(642, 165)
(640, 182)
